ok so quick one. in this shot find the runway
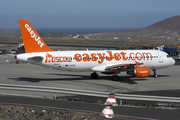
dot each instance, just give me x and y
(27, 74)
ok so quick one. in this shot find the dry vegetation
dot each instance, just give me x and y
(68, 43)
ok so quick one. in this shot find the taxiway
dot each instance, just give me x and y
(28, 74)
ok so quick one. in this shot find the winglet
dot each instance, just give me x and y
(32, 41)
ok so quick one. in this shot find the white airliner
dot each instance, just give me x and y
(135, 62)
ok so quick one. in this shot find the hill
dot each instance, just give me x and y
(165, 29)
(55, 35)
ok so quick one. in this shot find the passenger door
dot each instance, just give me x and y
(161, 60)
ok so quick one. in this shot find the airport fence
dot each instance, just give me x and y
(56, 90)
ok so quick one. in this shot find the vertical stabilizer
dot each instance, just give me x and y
(32, 41)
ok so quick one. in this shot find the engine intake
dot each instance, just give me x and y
(140, 72)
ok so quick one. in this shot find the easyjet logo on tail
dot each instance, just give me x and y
(33, 35)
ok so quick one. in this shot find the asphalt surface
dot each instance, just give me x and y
(150, 113)
(167, 84)
(27, 74)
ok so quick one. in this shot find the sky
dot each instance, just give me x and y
(86, 13)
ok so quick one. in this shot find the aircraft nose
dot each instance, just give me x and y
(172, 61)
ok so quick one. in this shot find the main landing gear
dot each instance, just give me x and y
(115, 78)
(94, 75)
(155, 75)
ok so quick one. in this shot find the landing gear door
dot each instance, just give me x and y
(161, 60)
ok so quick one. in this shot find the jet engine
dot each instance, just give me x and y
(140, 72)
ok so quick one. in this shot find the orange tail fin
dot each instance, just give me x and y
(32, 41)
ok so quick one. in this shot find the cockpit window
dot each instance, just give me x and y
(168, 56)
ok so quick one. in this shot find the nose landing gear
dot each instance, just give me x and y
(155, 75)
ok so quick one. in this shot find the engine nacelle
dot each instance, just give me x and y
(140, 72)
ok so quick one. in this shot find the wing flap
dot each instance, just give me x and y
(122, 66)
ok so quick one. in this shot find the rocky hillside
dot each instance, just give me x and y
(165, 29)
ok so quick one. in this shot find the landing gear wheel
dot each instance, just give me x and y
(115, 78)
(94, 75)
(155, 75)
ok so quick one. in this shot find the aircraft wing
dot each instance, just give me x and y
(122, 66)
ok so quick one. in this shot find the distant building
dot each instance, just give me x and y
(128, 38)
(78, 36)
(75, 36)
(115, 38)
(161, 38)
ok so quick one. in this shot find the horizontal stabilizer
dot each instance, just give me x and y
(35, 60)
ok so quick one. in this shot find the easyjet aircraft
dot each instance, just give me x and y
(135, 62)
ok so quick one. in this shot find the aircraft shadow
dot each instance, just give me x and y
(123, 79)
(130, 79)
(161, 76)
(36, 80)
(72, 77)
